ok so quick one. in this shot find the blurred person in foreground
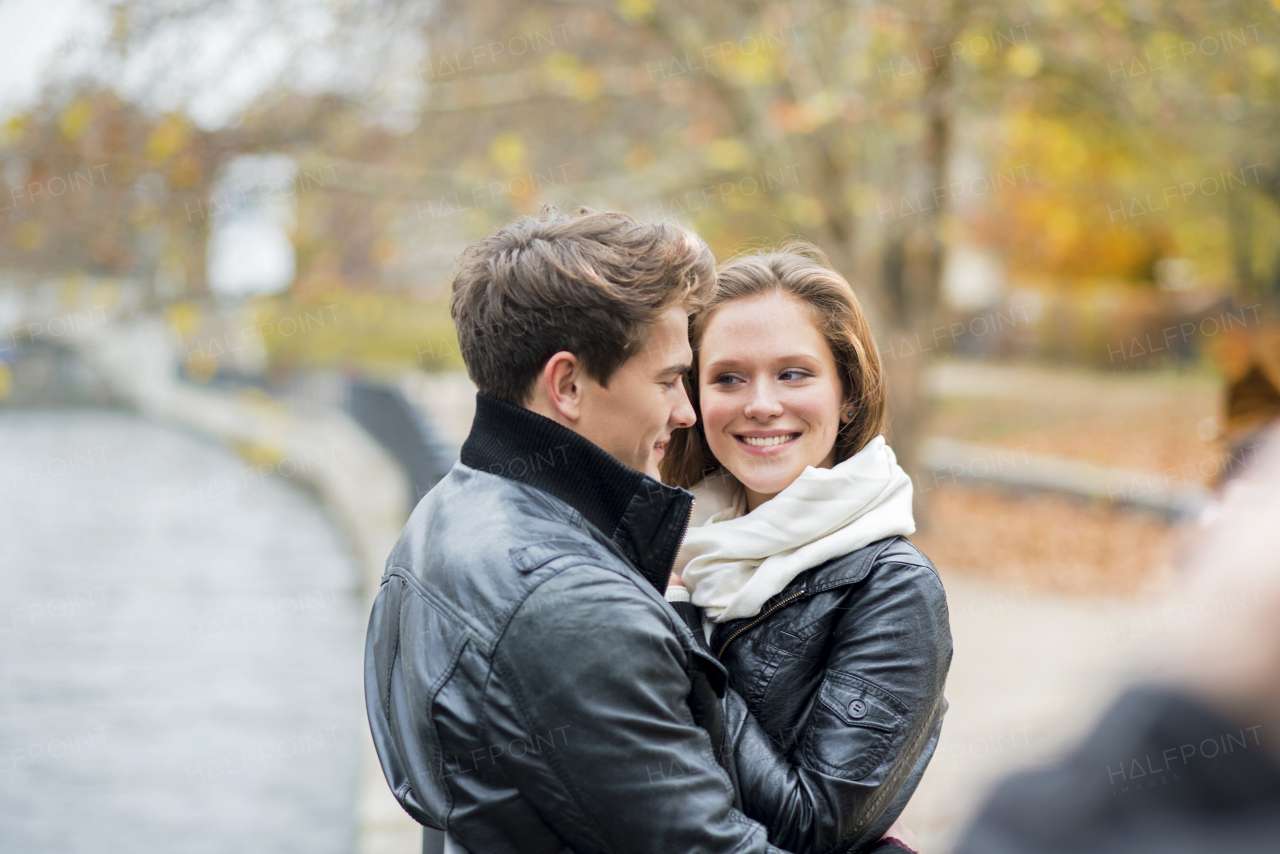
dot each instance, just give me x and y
(1189, 761)
(528, 687)
(798, 571)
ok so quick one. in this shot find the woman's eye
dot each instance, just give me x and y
(726, 379)
(793, 375)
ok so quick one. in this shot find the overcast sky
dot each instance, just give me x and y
(210, 68)
(33, 31)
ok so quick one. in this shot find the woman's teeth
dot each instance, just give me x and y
(768, 440)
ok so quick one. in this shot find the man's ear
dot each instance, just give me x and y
(562, 377)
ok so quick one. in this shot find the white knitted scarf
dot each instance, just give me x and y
(732, 562)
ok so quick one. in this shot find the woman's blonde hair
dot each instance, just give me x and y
(802, 271)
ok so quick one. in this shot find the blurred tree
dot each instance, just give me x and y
(1063, 134)
(1152, 130)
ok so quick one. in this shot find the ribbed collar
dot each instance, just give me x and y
(646, 519)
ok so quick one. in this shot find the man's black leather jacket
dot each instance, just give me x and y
(528, 687)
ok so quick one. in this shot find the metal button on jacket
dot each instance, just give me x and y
(857, 709)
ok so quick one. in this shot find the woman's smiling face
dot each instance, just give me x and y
(770, 393)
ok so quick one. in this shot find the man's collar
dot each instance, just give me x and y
(646, 519)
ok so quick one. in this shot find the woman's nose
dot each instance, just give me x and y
(763, 403)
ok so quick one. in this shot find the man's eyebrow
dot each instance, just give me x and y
(682, 368)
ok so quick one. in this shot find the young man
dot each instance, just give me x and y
(528, 687)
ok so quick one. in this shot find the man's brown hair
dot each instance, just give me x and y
(802, 271)
(591, 283)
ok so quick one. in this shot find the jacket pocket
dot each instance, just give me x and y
(852, 726)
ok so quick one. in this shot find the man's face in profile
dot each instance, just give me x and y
(645, 400)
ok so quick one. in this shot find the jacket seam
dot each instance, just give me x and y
(869, 562)
(434, 600)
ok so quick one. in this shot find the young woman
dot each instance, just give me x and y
(832, 625)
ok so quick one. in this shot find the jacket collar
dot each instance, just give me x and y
(644, 518)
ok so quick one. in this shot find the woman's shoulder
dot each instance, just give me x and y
(901, 550)
(893, 573)
(894, 554)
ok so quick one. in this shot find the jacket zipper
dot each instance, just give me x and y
(793, 597)
(671, 567)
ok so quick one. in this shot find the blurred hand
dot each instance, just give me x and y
(1230, 652)
(900, 831)
(674, 581)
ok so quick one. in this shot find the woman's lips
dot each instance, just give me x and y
(766, 445)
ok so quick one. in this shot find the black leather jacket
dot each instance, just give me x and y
(844, 671)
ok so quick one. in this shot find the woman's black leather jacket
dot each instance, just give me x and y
(844, 671)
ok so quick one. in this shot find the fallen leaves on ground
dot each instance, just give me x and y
(1046, 543)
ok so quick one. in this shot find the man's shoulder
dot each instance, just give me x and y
(487, 545)
(474, 516)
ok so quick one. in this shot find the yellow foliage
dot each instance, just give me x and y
(1057, 217)
(75, 118)
(1062, 227)
(1024, 60)
(11, 129)
(977, 47)
(755, 60)
(1263, 60)
(633, 10)
(184, 318)
(170, 136)
(508, 151)
(727, 154)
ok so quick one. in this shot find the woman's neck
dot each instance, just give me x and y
(755, 499)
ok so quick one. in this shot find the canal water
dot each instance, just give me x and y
(180, 647)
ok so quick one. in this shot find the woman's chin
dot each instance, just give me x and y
(763, 478)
